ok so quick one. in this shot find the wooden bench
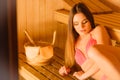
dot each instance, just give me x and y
(46, 72)
(110, 21)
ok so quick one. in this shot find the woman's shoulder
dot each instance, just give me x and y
(99, 29)
(101, 35)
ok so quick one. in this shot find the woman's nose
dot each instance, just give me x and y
(81, 26)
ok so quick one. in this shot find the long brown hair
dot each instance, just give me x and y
(72, 35)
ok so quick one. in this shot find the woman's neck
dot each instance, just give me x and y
(83, 36)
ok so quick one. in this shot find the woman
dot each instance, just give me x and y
(82, 34)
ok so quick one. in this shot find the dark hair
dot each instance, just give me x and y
(80, 8)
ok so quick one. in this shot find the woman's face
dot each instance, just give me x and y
(81, 24)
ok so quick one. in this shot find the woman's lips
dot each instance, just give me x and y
(82, 30)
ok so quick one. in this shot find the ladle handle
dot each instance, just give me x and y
(29, 38)
(54, 37)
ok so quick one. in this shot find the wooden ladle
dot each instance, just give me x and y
(29, 38)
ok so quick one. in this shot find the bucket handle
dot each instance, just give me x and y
(29, 38)
(54, 37)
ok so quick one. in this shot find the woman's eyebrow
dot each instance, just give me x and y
(85, 19)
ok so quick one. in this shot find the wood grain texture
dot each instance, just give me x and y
(46, 72)
(36, 16)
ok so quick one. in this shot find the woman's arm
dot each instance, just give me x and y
(91, 71)
(108, 60)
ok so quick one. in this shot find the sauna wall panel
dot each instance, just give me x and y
(37, 17)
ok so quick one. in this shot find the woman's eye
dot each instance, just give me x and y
(75, 24)
(85, 21)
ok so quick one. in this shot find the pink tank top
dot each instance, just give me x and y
(79, 56)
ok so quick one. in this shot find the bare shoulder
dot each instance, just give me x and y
(101, 35)
(99, 28)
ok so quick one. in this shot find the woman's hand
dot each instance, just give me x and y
(64, 71)
(78, 75)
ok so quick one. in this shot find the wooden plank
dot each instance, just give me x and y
(28, 73)
(112, 25)
(56, 50)
(59, 60)
(61, 31)
(61, 16)
(29, 16)
(76, 1)
(90, 7)
(21, 23)
(111, 17)
(108, 24)
(70, 2)
(115, 25)
(42, 9)
(101, 5)
(40, 69)
(36, 19)
(95, 9)
(51, 69)
(43, 70)
(20, 77)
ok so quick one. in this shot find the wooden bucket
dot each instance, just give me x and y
(39, 54)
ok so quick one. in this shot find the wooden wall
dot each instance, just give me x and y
(113, 4)
(37, 16)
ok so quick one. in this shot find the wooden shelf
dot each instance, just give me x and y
(62, 16)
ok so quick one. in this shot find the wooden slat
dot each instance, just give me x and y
(69, 2)
(36, 19)
(29, 16)
(61, 16)
(51, 69)
(21, 78)
(28, 73)
(41, 70)
(113, 24)
(113, 17)
(101, 5)
(94, 8)
(21, 23)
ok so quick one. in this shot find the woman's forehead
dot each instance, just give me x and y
(79, 16)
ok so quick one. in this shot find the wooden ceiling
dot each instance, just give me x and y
(95, 6)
